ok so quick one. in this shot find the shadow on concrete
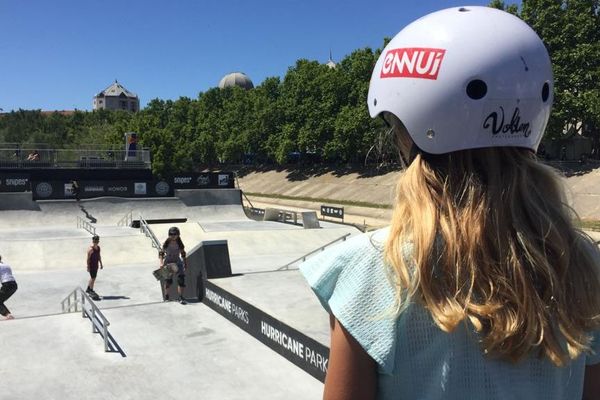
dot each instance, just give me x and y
(300, 172)
(115, 298)
(88, 215)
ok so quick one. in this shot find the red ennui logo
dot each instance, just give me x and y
(413, 62)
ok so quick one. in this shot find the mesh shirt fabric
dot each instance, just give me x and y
(417, 360)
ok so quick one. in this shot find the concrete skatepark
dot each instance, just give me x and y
(166, 350)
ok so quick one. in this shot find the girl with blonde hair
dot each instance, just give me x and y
(481, 288)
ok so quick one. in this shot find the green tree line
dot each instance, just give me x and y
(315, 112)
(571, 31)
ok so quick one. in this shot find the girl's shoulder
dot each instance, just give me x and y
(351, 281)
(353, 256)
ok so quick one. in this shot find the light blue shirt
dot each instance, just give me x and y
(417, 360)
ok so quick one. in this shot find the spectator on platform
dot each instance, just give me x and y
(481, 288)
(33, 156)
(94, 259)
(173, 251)
(9, 287)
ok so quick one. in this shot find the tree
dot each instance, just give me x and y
(570, 30)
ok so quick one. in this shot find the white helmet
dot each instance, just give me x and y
(465, 78)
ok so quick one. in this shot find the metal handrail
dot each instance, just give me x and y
(237, 181)
(303, 258)
(82, 223)
(145, 228)
(127, 219)
(94, 313)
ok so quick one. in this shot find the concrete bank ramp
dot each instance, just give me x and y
(207, 197)
(66, 248)
(18, 210)
(18, 201)
(261, 249)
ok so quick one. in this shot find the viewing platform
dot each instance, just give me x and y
(14, 156)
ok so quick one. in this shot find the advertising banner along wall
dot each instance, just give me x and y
(204, 180)
(14, 182)
(303, 351)
(45, 190)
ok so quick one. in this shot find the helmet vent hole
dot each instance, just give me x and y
(545, 92)
(476, 89)
(463, 9)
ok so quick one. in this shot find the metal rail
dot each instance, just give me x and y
(99, 322)
(127, 219)
(303, 258)
(145, 228)
(106, 158)
(237, 181)
(82, 223)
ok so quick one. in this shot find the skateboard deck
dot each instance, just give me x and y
(165, 272)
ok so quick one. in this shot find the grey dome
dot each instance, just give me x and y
(236, 79)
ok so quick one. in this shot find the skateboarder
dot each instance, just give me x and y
(174, 252)
(75, 189)
(93, 260)
(9, 287)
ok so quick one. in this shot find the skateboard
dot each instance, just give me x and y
(165, 272)
(94, 296)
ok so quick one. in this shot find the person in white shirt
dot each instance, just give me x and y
(9, 287)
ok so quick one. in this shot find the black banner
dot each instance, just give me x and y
(335, 212)
(45, 190)
(303, 351)
(204, 180)
(14, 182)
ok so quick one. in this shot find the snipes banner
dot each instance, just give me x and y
(204, 180)
(16, 182)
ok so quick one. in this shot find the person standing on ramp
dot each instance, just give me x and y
(9, 287)
(174, 253)
(93, 261)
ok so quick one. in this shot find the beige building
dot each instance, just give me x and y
(116, 97)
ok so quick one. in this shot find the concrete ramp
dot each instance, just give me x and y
(209, 197)
(18, 210)
(55, 248)
(18, 201)
(172, 352)
(261, 249)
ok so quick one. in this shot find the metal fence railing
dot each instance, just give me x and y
(82, 223)
(100, 324)
(74, 158)
(127, 219)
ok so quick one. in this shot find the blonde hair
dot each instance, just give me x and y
(494, 244)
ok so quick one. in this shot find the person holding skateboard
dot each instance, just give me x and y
(173, 252)
(93, 261)
(9, 287)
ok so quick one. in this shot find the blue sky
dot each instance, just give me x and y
(56, 55)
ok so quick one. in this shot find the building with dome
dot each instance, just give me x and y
(236, 79)
(116, 97)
